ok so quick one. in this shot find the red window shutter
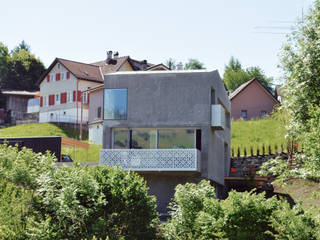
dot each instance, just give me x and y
(79, 96)
(68, 75)
(57, 76)
(74, 96)
(41, 101)
(51, 100)
(48, 78)
(63, 97)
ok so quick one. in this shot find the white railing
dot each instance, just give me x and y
(152, 159)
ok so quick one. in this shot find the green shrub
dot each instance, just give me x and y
(198, 215)
(74, 202)
(14, 210)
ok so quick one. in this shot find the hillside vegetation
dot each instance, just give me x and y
(50, 129)
(256, 133)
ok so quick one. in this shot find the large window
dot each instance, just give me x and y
(148, 138)
(115, 104)
(176, 138)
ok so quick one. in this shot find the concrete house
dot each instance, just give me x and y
(171, 127)
(95, 93)
(252, 100)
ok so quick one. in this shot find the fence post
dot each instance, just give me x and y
(258, 151)
(232, 152)
(276, 148)
(269, 149)
(251, 150)
(238, 151)
(263, 150)
(282, 150)
(245, 151)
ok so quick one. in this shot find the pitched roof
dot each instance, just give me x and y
(80, 70)
(112, 66)
(246, 84)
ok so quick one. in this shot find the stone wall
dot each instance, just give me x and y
(248, 165)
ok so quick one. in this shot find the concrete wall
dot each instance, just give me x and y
(254, 98)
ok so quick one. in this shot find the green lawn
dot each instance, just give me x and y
(255, 133)
(49, 129)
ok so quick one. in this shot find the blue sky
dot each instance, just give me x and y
(209, 30)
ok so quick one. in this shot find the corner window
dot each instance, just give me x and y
(263, 114)
(244, 113)
(120, 139)
(115, 104)
(176, 138)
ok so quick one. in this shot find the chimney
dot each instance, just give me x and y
(109, 56)
(180, 66)
(116, 54)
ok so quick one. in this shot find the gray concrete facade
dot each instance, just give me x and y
(175, 99)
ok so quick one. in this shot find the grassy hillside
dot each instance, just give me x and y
(49, 129)
(255, 133)
(301, 190)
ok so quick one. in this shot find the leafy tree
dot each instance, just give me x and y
(20, 69)
(4, 58)
(171, 63)
(234, 75)
(193, 64)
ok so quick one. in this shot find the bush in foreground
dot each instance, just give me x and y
(197, 214)
(75, 202)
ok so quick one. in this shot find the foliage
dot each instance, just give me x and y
(300, 62)
(76, 202)
(171, 63)
(14, 208)
(193, 64)
(234, 75)
(197, 214)
(19, 69)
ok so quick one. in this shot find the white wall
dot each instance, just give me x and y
(95, 133)
(64, 115)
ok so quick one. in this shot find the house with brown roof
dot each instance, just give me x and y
(61, 86)
(252, 100)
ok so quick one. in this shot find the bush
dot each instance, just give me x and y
(75, 202)
(14, 210)
(197, 214)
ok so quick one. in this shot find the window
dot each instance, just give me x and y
(244, 113)
(46, 101)
(120, 139)
(115, 104)
(85, 97)
(213, 96)
(63, 76)
(263, 114)
(176, 138)
(58, 65)
(150, 138)
(98, 112)
(53, 77)
(144, 138)
(69, 97)
(57, 98)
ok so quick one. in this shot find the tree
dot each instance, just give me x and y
(193, 64)
(4, 58)
(20, 69)
(171, 63)
(234, 75)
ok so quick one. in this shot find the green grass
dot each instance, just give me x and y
(49, 129)
(256, 133)
(304, 191)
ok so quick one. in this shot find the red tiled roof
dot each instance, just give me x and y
(82, 70)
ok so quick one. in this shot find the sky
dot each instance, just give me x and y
(209, 30)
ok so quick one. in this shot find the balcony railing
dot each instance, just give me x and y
(152, 159)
